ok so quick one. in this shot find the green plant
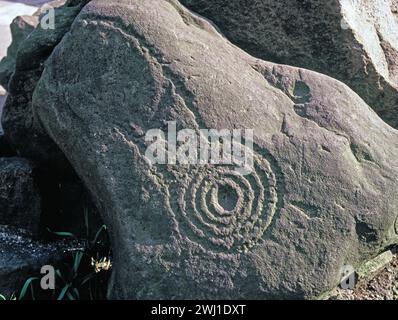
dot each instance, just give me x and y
(83, 276)
(26, 286)
(79, 276)
(3, 298)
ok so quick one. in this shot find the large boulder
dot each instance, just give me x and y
(20, 201)
(17, 119)
(353, 41)
(321, 193)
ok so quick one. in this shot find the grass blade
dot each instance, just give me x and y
(62, 233)
(88, 278)
(77, 261)
(86, 223)
(63, 292)
(77, 294)
(26, 287)
(103, 228)
(70, 296)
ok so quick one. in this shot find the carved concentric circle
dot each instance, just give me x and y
(225, 211)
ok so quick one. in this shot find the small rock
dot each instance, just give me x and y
(21, 27)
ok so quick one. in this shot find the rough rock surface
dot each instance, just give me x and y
(323, 192)
(8, 11)
(17, 119)
(64, 198)
(20, 202)
(21, 27)
(21, 258)
(353, 41)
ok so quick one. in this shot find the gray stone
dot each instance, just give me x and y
(322, 195)
(20, 202)
(21, 27)
(22, 258)
(24, 133)
(353, 41)
(372, 267)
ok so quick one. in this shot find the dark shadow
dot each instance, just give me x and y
(2, 101)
